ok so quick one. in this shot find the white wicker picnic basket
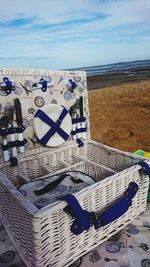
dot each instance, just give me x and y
(44, 237)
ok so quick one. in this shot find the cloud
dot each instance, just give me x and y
(60, 11)
(79, 32)
(47, 11)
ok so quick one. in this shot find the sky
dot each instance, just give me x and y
(63, 34)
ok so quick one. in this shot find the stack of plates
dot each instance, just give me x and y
(41, 128)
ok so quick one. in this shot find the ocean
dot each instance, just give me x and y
(129, 68)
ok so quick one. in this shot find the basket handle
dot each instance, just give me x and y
(83, 219)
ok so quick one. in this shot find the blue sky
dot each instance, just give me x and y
(60, 34)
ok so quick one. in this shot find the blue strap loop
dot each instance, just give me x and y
(8, 85)
(119, 208)
(80, 142)
(73, 85)
(16, 143)
(11, 130)
(44, 84)
(78, 130)
(55, 126)
(4, 147)
(77, 120)
(83, 219)
(145, 166)
(3, 132)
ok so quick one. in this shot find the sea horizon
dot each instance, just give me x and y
(126, 67)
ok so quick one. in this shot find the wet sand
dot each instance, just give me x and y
(119, 77)
(120, 114)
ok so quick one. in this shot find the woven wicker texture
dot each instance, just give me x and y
(43, 237)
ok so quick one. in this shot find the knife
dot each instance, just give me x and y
(83, 134)
(9, 112)
(4, 125)
(19, 122)
(72, 112)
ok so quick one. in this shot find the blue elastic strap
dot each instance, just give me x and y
(84, 219)
(19, 129)
(79, 130)
(11, 130)
(145, 166)
(3, 132)
(55, 126)
(77, 120)
(4, 147)
(12, 144)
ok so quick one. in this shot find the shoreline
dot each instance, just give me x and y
(108, 80)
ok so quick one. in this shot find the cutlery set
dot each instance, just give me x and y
(78, 121)
(11, 130)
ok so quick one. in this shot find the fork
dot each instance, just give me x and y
(9, 110)
(3, 126)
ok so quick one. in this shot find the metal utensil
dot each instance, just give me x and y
(83, 134)
(78, 125)
(19, 120)
(3, 126)
(72, 112)
(9, 110)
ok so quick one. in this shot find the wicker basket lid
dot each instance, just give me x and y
(37, 88)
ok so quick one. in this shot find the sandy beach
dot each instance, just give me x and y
(120, 112)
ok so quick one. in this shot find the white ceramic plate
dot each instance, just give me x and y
(41, 128)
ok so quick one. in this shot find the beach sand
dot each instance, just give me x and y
(120, 114)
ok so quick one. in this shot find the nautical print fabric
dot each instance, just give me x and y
(37, 88)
